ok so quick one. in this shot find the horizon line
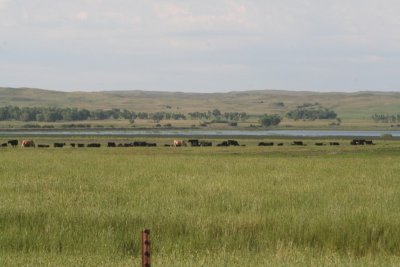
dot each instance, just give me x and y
(199, 92)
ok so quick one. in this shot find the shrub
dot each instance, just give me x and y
(270, 120)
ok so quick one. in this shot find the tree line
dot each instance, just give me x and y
(386, 118)
(216, 114)
(311, 111)
(53, 114)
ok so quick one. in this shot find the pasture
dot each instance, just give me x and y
(208, 206)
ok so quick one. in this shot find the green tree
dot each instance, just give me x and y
(216, 113)
(269, 120)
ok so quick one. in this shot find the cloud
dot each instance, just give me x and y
(227, 15)
(3, 3)
(215, 68)
(236, 43)
(171, 10)
(366, 59)
(80, 16)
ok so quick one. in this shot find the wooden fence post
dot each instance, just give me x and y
(145, 238)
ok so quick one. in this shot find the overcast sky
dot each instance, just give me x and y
(200, 45)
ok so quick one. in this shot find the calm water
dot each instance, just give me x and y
(300, 133)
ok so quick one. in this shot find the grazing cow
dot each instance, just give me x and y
(141, 143)
(43, 146)
(205, 143)
(151, 144)
(167, 145)
(27, 143)
(362, 141)
(178, 143)
(224, 143)
(319, 144)
(369, 142)
(81, 145)
(233, 143)
(93, 145)
(334, 144)
(194, 142)
(357, 142)
(72, 144)
(60, 145)
(13, 143)
(297, 143)
(4, 145)
(280, 144)
(111, 144)
(266, 144)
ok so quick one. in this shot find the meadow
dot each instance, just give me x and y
(234, 206)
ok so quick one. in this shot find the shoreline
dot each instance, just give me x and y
(196, 133)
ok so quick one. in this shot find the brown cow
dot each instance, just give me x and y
(177, 143)
(27, 143)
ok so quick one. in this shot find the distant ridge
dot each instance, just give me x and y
(348, 105)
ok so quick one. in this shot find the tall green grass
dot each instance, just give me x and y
(205, 206)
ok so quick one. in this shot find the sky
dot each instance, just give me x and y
(200, 45)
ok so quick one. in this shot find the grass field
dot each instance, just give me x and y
(236, 206)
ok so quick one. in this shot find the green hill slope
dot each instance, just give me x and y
(349, 106)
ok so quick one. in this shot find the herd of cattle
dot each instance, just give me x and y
(175, 143)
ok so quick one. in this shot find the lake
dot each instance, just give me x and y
(255, 133)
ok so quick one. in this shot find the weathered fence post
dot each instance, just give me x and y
(145, 238)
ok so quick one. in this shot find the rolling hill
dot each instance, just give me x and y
(349, 106)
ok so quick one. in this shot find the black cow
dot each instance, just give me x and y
(369, 142)
(194, 142)
(205, 143)
(297, 143)
(319, 144)
(229, 143)
(224, 143)
(81, 145)
(280, 144)
(43, 146)
(233, 143)
(111, 144)
(13, 143)
(72, 144)
(266, 144)
(4, 145)
(93, 145)
(334, 144)
(141, 143)
(60, 145)
(357, 142)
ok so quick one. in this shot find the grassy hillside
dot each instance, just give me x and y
(349, 106)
